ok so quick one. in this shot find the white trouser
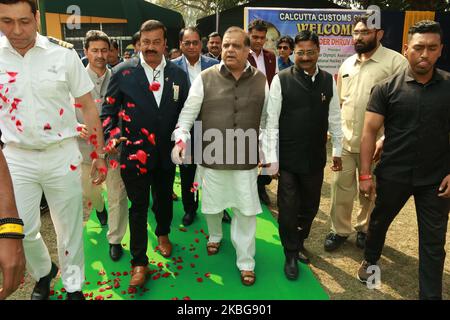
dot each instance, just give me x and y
(243, 234)
(92, 194)
(49, 171)
(117, 207)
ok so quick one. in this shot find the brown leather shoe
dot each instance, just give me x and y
(138, 276)
(165, 246)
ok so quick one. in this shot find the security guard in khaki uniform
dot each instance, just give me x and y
(37, 77)
(358, 74)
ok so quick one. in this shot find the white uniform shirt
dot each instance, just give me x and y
(156, 74)
(43, 80)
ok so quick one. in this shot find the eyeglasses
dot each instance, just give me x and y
(191, 43)
(363, 32)
(283, 48)
(308, 53)
(156, 75)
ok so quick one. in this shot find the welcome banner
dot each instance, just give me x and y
(334, 28)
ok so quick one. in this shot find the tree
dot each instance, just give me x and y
(414, 5)
(195, 9)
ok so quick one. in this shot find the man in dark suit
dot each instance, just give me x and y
(266, 62)
(192, 62)
(147, 93)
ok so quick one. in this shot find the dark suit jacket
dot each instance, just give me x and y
(270, 61)
(129, 87)
(205, 63)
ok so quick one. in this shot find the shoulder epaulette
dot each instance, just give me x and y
(60, 43)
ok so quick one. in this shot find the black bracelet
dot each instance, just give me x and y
(11, 236)
(11, 220)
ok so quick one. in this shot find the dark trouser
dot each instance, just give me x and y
(298, 203)
(263, 180)
(187, 176)
(138, 190)
(432, 218)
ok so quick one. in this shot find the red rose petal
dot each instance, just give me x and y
(110, 100)
(61, 111)
(78, 105)
(106, 122)
(196, 240)
(73, 168)
(145, 132)
(131, 105)
(109, 296)
(113, 164)
(151, 138)
(208, 274)
(186, 298)
(199, 279)
(154, 86)
(94, 155)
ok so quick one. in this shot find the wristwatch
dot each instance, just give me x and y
(102, 155)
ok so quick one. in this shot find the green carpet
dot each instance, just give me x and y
(190, 273)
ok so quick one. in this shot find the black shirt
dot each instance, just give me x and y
(417, 128)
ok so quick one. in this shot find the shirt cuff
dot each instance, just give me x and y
(337, 151)
(268, 145)
(181, 134)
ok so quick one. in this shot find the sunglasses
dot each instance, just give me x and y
(283, 47)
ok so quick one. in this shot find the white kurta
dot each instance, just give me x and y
(221, 189)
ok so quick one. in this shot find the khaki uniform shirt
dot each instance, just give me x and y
(354, 84)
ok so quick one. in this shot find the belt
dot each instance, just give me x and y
(48, 148)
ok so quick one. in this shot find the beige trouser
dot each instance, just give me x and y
(92, 194)
(117, 206)
(343, 192)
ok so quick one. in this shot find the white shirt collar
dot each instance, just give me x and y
(254, 53)
(315, 72)
(189, 64)
(222, 65)
(160, 67)
(93, 74)
(41, 42)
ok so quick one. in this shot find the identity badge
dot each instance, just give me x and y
(176, 92)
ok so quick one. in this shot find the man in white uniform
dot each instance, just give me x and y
(230, 96)
(38, 124)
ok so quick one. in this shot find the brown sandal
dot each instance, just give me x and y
(248, 278)
(212, 248)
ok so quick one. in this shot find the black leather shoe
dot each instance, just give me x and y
(115, 251)
(291, 268)
(361, 240)
(226, 217)
(333, 241)
(303, 256)
(188, 218)
(102, 217)
(41, 290)
(263, 196)
(77, 295)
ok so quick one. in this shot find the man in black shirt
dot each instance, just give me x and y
(413, 107)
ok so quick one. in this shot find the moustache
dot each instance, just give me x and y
(305, 61)
(151, 51)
